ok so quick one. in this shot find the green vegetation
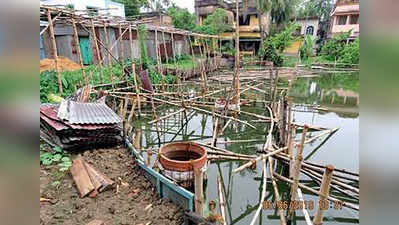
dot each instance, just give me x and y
(274, 46)
(181, 18)
(215, 23)
(55, 156)
(181, 62)
(73, 80)
(337, 49)
(142, 38)
(306, 49)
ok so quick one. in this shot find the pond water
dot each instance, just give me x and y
(336, 98)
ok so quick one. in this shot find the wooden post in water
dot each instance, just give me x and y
(236, 98)
(54, 47)
(199, 191)
(78, 51)
(291, 147)
(297, 169)
(324, 193)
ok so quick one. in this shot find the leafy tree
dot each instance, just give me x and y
(319, 8)
(181, 18)
(282, 11)
(215, 23)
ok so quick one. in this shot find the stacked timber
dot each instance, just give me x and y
(75, 125)
(87, 179)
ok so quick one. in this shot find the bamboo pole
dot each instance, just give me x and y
(324, 190)
(108, 54)
(54, 47)
(276, 193)
(236, 98)
(346, 204)
(263, 193)
(199, 191)
(166, 116)
(99, 60)
(137, 88)
(297, 169)
(262, 157)
(305, 212)
(221, 201)
(78, 51)
(121, 46)
(215, 131)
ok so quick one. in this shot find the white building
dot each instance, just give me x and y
(309, 26)
(96, 6)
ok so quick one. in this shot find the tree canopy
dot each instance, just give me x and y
(215, 23)
(319, 8)
(181, 18)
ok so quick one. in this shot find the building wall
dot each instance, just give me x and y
(336, 29)
(305, 24)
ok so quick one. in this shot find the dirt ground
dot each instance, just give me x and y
(127, 207)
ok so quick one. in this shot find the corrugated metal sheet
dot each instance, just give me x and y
(87, 113)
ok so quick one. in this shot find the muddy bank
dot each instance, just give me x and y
(129, 206)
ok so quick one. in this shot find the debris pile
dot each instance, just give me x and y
(87, 179)
(64, 64)
(75, 125)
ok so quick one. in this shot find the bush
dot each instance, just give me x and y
(337, 49)
(306, 49)
(274, 46)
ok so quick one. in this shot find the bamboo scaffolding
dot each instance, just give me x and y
(262, 199)
(305, 212)
(54, 48)
(78, 51)
(275, 188)
(221, 201)
(304, 187)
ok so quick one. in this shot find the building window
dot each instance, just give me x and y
(93, 11)
(244, 20)
(341, 20)
(354, 19)
(310, 30)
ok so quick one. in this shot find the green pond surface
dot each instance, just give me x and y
(336, 96)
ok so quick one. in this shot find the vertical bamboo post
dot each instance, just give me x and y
(137, 87)
(297, 168)
(99, 60)
(78, 51)
(323, 197)
(291, 147)
(121, 47)
(54, 47)
(173, 45)
(108, 54)
(199, 191)
(192, 51)
(236, 98)
(157, 51)
(164, 47)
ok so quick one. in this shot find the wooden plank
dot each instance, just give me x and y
(81, 177)
(99, 180)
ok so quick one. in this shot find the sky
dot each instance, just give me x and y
(189, 4)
